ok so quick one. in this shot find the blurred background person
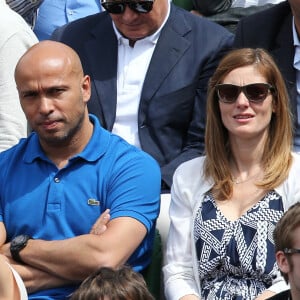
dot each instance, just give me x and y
(15, 38)
(44, 16)
(26, 8)
(113, 284)
(225, 12)
(55, 13)
(287, 246)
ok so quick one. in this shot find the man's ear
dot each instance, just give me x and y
(86, 88)
(282, 262)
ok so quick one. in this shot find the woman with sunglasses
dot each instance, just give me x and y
(226, 204)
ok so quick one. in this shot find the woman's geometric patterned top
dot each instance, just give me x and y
(236, 259)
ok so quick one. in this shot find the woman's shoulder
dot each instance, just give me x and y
(296, 155)
(290, 188)
(296, 161)
(189, 176)
(191, 166)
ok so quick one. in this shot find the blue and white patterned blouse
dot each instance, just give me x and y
(236, 258)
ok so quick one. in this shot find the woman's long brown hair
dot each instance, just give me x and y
(277, 156)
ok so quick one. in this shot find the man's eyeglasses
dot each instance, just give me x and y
(118, 7)
(290, 251)
(255, 92)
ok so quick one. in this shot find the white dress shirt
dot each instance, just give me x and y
(133, 64)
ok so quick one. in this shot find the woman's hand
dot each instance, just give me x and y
(265, 295)
(190, 297)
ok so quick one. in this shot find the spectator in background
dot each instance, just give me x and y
(229, 17)
(228, 12)
(280, 37)
(46, 15)
(55, 13)
(26, 8)
(287, 247)
(57, 184)
(15, 38)
(225, 12)
(150, 63)
(225, 205)
(108, 284)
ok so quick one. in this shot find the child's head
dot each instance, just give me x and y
(110, 284)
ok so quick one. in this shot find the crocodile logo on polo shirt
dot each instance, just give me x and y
(93, 202)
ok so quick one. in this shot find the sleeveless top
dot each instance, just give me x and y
(236, 259)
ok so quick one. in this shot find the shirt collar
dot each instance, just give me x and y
(91, 152)
(295, 35)
(297, 47)
(153, 38)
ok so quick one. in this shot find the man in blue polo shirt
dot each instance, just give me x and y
(55, 184)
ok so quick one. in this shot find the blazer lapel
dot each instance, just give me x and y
(284, 53)
(170, 47)
(102, 53)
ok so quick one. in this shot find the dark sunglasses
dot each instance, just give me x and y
(255, 92)
(290, 251)
(118, 7)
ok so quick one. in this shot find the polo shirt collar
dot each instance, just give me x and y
(91, 152)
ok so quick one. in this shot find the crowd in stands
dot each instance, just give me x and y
(110, 107)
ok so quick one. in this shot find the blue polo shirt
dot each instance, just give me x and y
(38, 199)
